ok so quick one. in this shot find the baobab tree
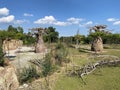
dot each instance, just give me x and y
(38, 32)
(97, 43)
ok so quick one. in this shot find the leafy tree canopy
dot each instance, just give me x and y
(51, 35)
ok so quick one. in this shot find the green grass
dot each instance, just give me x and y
(80, 57)
(115, 52)
(107, 78)
(77, 57)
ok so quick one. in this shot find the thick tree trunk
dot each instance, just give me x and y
(97, 45)
(40, 47)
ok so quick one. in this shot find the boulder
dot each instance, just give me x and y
(8, 78)
(97, 45)
(11, 44)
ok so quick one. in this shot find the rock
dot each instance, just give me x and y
(23, 87)
(8, 78)
(12, 44)
(97, 45)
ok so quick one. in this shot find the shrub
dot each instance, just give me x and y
(59, 45)
(28, 74)
(48, 67)
(45, 65)
(1, 57)
(61, 54)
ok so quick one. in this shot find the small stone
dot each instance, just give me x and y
(25, 85)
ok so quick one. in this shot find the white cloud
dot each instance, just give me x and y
(54, 21)
(4, 11)
(50, 20)
(46, 20)
(60, 23)
(28, 14)
(7, 19)
(73, 20)
(21, 21)
(87, 24)
(112, 19)
(116, 23)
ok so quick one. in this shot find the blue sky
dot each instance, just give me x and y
(67, 16)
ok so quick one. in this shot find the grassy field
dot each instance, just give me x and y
(107, 78)
(104, 78)
(84, 55)
(115, 52)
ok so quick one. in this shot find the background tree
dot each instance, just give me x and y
(51, 35)
(28, 39)
(12, 29)
(20, 29)
(18, 34)
(3, 35)
(68, 40)
(77, 37)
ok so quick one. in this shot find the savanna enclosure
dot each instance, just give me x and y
(42, 60)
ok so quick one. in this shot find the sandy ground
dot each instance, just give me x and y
(21, 49)
(21, 56)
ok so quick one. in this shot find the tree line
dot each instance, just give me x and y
(28, 38)
(16, 33)
(52, 36)
(82, 39)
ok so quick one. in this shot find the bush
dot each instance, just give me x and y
(45, 65)
(1, 57)
(28, 74)
(61, 54)
(48, 67)
(59, 45)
